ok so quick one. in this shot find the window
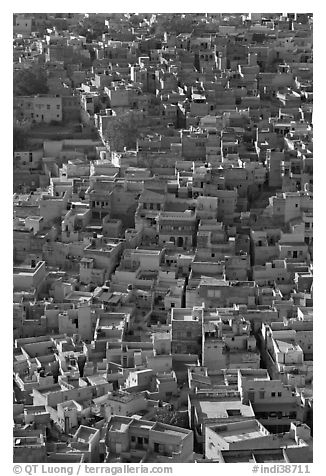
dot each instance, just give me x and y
(233, 412)
(251, 395)
(279, 394)
(48, 106)
(273, 394)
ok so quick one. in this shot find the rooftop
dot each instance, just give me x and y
(241, 430)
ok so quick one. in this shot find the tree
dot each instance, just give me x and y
(91, 28)
(19, 138)
(28, 82)
(172, 417)
(121, 132)
(178, 25)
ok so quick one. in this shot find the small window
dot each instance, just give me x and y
(273, 394)
(233, 412)
(279, 394)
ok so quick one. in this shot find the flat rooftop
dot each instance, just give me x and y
(286, 346)
(170, 430)
(85, 433)
(120, 424)
(259, 456)
(234, 436)
(224, 409)
(24, 269)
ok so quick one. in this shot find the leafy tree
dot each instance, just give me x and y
(121, 132)
(173, 417)
(28, 82)
(92, 29)
(19, 138)
(178, 25)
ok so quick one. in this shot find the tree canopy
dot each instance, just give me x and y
(178, 25)
(91, 29)
(28, 82)
(19, 138)
(121, 132)
(173, 417)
